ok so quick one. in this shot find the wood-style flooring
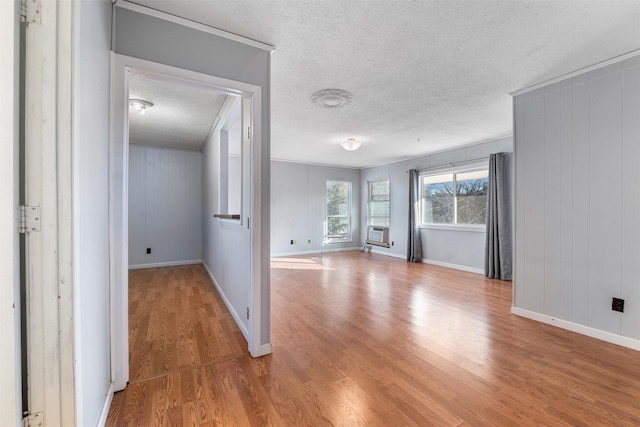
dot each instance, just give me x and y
(369, 340)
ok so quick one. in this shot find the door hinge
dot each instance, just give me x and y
(29, 219)
(33, 420)
(248, 132)
(247, 312)
(30, 11)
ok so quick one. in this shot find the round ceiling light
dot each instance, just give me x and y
(140, 105)
(351, 144)
(331, 98)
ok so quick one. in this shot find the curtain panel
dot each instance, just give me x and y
(414, 241)
(498, 257)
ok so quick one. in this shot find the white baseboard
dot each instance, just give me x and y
(232, 310)
(105, 408)
(263, 350)
(578, 328)
(165, 264)
(454, 266)
(315, 251)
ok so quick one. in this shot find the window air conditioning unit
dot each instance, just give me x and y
(378, 236)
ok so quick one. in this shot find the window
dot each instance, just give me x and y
(454, 198)
(338, 223)
(378, 203)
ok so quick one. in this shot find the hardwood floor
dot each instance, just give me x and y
(364, 339)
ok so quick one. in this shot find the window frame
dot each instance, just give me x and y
(369, 200)
(349, 234)
(454, 170)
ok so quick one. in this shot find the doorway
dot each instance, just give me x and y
(225, 243)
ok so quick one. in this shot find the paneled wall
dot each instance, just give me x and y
(298, 193)
(577, 234)
(165, 206)
(457, 248)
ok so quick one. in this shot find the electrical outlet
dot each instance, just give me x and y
(148, 250)
(293, 242)
(617, 304)
(393, 243)
(309, 241)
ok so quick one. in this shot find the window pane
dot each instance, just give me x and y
(379, 190)
(471, 189)
(378, 206)
(337, 198)
(437, 199)
(338, 211)
(337, 227)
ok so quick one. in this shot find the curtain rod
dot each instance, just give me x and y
(451, 164)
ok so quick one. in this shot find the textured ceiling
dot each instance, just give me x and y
(181, 116)
(425, 75)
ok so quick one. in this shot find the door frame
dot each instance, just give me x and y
(10, 374)
(121, 67)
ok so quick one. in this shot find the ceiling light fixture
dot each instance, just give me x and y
(331, 98)
(140, 105)
(351, 144)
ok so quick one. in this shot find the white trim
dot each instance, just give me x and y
(192, 24)
(105, 407)
(377, 250)
(315, 251)
(164, 264)
(233, 312)
(453, 266)
(577, 328)
(262, 350)
(122, 66)
(10, 374)
(480, 228)
(577, 72)
(461, 166)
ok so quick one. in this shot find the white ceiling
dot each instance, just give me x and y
(181, 115)
(425, 75)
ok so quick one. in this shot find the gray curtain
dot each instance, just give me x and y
(498, 262)
(414, 243)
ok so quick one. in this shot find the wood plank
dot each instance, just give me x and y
(364, 339)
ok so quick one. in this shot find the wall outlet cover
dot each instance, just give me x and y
(617, 304)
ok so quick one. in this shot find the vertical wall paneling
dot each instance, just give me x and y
(631, 197)
(606, 196)
(581, 213)
(553, 199)
(534, 185)
(566, 200)
(519, 269)
(577, 202)
(298, 196)
(165, 206)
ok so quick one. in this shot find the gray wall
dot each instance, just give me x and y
(226, 243)
(460, 249)
(165, 206)
(577, 211)
(298, 194)
(91, 210)
(165, 42)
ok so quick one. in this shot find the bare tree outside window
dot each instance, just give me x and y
(455, 198)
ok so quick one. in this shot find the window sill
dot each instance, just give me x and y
(455, 227)
(333, 242)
